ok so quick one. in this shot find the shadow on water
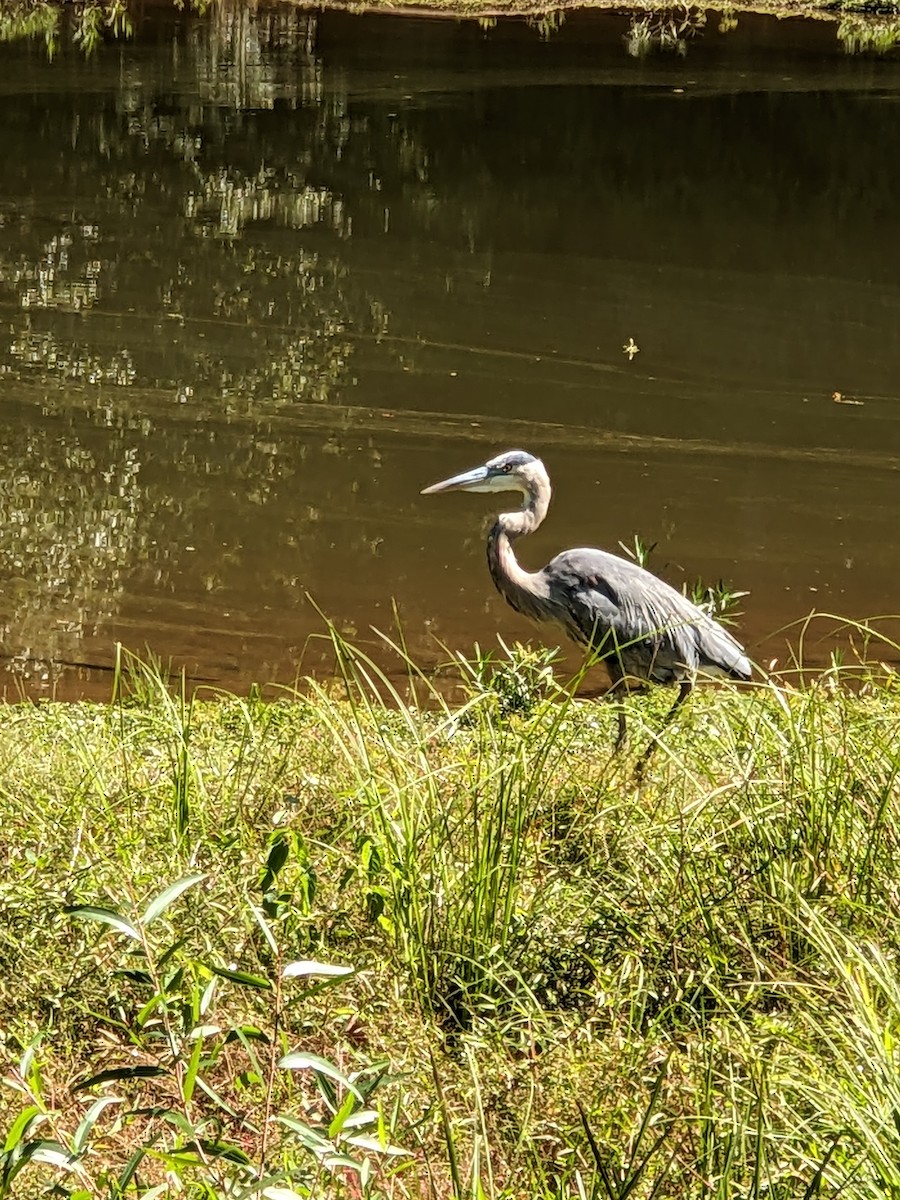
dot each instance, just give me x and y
(264, 276)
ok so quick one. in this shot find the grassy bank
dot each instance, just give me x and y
(326, 946)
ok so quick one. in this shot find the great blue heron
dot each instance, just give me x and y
(640, 627)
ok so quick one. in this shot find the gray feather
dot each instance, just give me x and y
(643, 627)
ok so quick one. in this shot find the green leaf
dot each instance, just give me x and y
(107, 916)
(180, 1122)
(244, 1037)
(341, 1160)
(341, 1116)
(171, 951)
(247, 1033)
(160, 903)
(362, 1116)
(244, 977)
(319, 970)
(264, 926)
(365, 1142)
(279, 850)
(187, 1156)
(147, 1011)
(129, 1169)
(225, 1107)
(312, 1062)
(26, 1062)
(51, 1153)
(218, 1150)
(208, 992)
(146, 1071)
(83, 1131)
(204, 1031)
(190, 1077)
(16, 1085)
(310, 1137)
(161, 1189)
(27, 1119)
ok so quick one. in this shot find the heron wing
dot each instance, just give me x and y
(653, 630)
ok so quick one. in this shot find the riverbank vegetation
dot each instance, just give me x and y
(354, 942)
(862, 25)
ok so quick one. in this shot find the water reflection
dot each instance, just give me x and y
(263, 274)
(72, 515)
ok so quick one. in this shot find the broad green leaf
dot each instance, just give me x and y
(160, 1190)
(160, 903)
(279, 850)
(257, 1068)
(171, 951)
(264, 926)
(51, 1153)
(318, 970)
(373, 1144)
(29, 1118)
(208, 992)
(365, 1116)
(107, 916)
(216, 1150)
(16, 1085)
(312, 1062)
(341, 1116)
(130, 1167)
(334, 1161)
(244, 977)
(247, 1033)
(225, 1107)
(83, 1131)
(310, 1138)
(26, 1062)
(147, 1011)
(142, 977)
(145, 1071)
(180, 1156)
(204, 1031)
(179, 1120)
(190, 1076)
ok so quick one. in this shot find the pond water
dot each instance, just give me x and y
(264, 276)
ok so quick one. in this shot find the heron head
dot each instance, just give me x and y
(514, 471)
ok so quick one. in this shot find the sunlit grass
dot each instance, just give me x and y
(369, 941)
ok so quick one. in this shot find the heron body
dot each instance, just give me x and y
(638, 625)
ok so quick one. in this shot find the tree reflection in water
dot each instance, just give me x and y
(168, 246)
(257, 269)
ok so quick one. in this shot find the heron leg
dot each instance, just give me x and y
(619, 691)
(684, 690)
(623, 727)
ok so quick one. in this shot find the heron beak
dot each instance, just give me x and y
(469, 481)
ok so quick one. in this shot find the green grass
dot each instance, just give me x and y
(364, 943)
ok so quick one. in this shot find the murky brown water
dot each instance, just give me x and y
(264, 277)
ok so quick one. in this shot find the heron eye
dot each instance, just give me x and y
(506, 468)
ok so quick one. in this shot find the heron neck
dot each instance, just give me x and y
(526, 519)
(519, 587)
